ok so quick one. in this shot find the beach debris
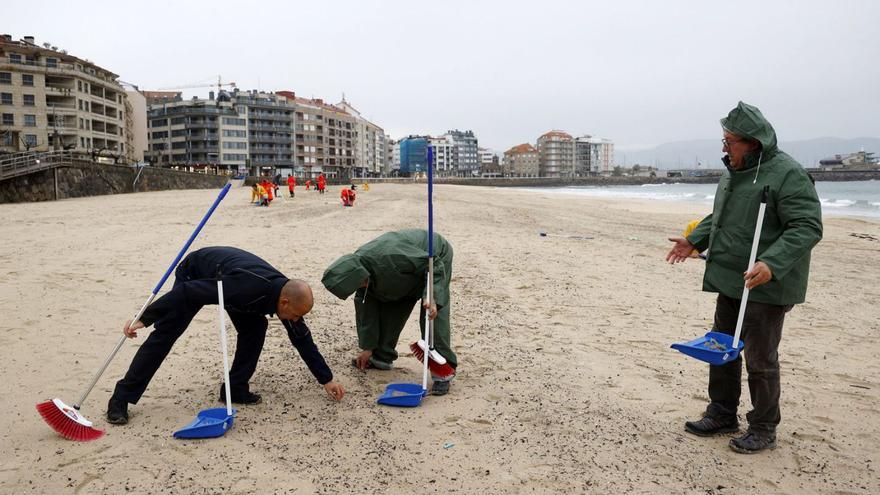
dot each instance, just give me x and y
(448, 445)
(864, 236)
(633, 238)
(714, 345)
(566, 236)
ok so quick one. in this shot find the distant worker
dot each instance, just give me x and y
(291, 184)
(308, 184)
(347, 196)
(322, 182)
(365, 187)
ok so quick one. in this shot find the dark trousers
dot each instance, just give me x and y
(761, 333)
(251, 331)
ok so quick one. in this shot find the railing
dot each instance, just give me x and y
(26, 163)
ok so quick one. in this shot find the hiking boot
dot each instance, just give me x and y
(708, 427)
(117, 412)
(246, 397)
(752, 442)
(440, 387)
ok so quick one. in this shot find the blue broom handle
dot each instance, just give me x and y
(192, 237)
(140, 313)
(430, 202)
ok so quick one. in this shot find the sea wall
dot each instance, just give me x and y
(84, 178)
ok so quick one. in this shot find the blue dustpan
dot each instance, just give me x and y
(714, 348)
(402, 395)
(209, 423)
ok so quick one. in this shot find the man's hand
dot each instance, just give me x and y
(431, 309)
(680, 251)
(759, 274)
(334, 390)
(130, 330)
(363, 359)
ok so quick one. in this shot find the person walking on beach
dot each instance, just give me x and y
(291, 185)
(778, 280)
(388, 277)
(252, 289)
(322, 182)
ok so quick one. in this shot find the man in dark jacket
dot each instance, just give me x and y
(252, 288)
(388, 276)
(778, 280)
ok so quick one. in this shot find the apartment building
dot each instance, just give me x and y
(198, 133)
(271, 131)
(369, 144)
(522, 160)
(556, 151)
(51, 100)
(444, 155)
(466, 160)
(393, 165)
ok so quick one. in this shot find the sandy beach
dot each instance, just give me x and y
(566, 384)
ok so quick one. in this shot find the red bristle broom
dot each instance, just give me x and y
(66, 420)
(437, 363)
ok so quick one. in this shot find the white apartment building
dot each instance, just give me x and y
(52, 100)
(444, 155)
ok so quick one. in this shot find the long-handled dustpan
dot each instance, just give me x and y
(411, 394)
(214, 422)
(718, 348)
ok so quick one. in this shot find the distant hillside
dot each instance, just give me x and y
(685, 154)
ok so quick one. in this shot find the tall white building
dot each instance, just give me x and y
(444, 155)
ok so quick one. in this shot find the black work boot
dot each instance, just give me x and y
(708, 427)
(440, 387)
(753, 442)
(240, 396)
(117, 412)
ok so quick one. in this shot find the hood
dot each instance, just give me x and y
(748, 122)
(344, 276)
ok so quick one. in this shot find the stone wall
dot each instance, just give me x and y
(83, 178)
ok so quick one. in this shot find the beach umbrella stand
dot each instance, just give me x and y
(718, 348)
(411, 394)
(214, 422)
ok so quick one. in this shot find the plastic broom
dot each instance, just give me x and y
(437, 363)
(65, 419)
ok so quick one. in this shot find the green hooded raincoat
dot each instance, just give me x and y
(792, 221)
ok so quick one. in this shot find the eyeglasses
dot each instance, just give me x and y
(727, 142)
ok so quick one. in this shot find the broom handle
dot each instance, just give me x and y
(752, 256)
(140, 313)
(223, 345)
(429, 323)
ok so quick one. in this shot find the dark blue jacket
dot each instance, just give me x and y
(250, 285)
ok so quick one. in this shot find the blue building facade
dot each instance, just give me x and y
(413, 155)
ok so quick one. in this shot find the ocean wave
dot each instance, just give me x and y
(837, 203)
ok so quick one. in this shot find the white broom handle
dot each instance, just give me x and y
(428, 329)
(88, 390)
(223, 346)
(752, 256)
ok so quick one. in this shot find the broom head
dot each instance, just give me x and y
(436, 363)
(67, 421)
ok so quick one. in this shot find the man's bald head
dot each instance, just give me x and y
(295, 300)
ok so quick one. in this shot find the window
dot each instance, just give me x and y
(14, 58)
(28, 100)
(234, 145)
(5, 77)
(30, 139)
(27, 79)
(159, 123)
(82, 142)
(8, 119)
(178, 120)
(160, 135)
(5, 98)
(79, 85)
(7, 139)
(233, 121)
(51, 62)
(81, 125)
(30, 120)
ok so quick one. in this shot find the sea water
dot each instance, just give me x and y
(857, 198)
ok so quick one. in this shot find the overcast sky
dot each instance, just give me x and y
(639, 72)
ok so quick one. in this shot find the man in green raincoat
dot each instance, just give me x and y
(388, 276)
(792, 226)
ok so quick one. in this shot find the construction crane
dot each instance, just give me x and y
(220, 84)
